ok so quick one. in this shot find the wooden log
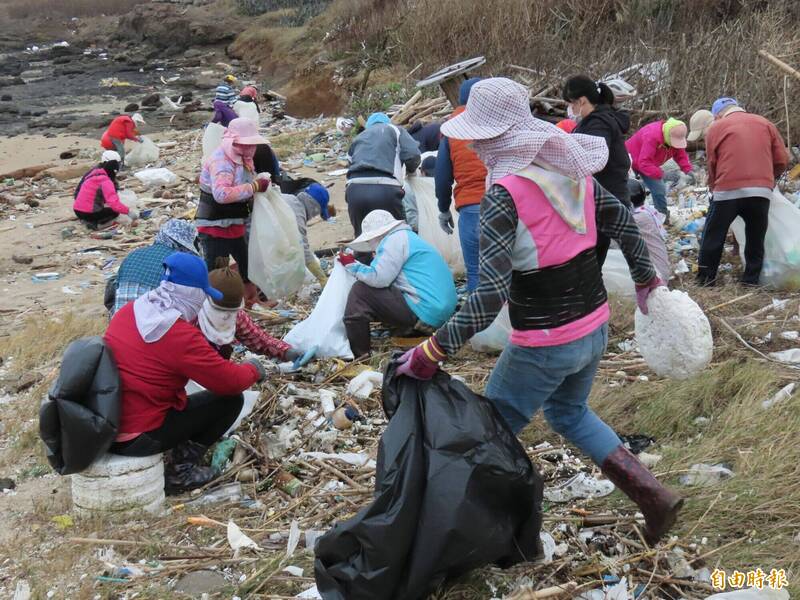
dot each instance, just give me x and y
(25, 172)
(779, 63)
(403, 109)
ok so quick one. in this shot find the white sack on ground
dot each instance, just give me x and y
(324, 327)
(675, 337)
(617, 275)
(448, 246)
(156, 177)
(246, 110)
(495, 337)
(275, 251)
(212, 138)
(143, 153)
(781, 245)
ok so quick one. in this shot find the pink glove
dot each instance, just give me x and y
(422, 362)
(643, 292)
(260, 185)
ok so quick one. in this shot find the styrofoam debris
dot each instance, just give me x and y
(579, 486)
(22, 591)
(548, 546)
(238, 540)
(294, 538)
(705, 475)
(312, 535)
(790, 335)
(649, 460)
(788, 356)
(361, 385)
(675, 336)
(327, 399)
(294, 571)
(359, 459)
(618, 591)
(783, 394)
(311, 593)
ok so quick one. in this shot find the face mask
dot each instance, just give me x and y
(571, 114)
(246, 151)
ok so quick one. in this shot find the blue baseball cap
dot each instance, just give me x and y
(189, 270)
(721, 104)
(319, 193)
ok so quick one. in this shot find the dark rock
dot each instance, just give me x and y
(32, 202)
(89, 123)
(185, 97)
(71, 70)
(22, 260)
(9, 80)
(193, 53)
(6, 483)
(152, 100)
(6, 98)
(62, 60)
(132, 107)
(57, 51)
(9, 108)
(68, 154)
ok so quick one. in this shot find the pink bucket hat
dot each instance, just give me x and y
(494, 106)
(245, 132)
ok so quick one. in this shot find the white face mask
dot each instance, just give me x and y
(571, 114)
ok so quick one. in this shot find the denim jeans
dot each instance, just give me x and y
(557, 379)
(658, 189)
(469, 232)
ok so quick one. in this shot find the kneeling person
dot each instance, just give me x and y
(407, 285)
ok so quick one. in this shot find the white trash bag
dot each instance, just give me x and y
(617, 275)
(324, 327)
(143, 154)
(275, 252)
(156, 177)
(495, 337)
(675, 336)
(129, 199)
(246, 110)
(781, 268)
(448, 246)
(212, 138)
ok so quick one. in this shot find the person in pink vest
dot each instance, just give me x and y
(96, 200)
(540, 218)
(652, 146)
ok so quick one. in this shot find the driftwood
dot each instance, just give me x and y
(780, 64)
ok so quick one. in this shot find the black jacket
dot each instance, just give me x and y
(612, 125)
(79, 419)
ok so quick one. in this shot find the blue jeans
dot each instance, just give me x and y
(469, 231)
(658, 189)
(557, 379)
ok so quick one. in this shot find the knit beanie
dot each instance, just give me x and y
(230, 283)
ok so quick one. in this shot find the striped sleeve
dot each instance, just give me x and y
(616, 221)
(498, 225)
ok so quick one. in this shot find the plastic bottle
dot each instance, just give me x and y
(287, 483)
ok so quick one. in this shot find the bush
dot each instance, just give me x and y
(68, 8)
(302, 11)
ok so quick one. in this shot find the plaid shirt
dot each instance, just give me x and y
(140, 272)
(498, 226)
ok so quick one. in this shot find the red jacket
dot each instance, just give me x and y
(744, 150)
(648, 151)
(153, 376)
(122, 128)
(468, 170)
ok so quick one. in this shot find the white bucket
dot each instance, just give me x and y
(119, 486)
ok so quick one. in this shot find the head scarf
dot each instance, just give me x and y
(378, 117)
(241, 155)
(217, 324)
(158, 310)
(179, 235)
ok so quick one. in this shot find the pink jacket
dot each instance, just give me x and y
(95, 191)
(649, 152)
(228, 181)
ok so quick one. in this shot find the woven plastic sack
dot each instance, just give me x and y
(212, 138)
(275, 251)
(495, 337)
(143, 154)
(448, 246)
(617, 275)
(246, 110)
(781, 268)
(675, 336)
(156, 177)
(324, 327)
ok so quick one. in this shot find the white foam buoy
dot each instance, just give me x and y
(119, 486)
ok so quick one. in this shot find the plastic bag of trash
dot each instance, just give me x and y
(495, 337)
(448, 246)
(675, 336)
(454, 490)
(246, 110)
(275, 250)
(781, 245)
(129, 199)
(212, 138)
(324, 327)
(156, 177)
(617, 275)
(143, 153)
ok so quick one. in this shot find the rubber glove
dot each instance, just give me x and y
(346, 259)
(133, 214)
(446, 222)
(316, 271)
(643, 292)
(260, 185)
(262, 373)
(422, 362)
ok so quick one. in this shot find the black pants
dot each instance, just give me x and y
(93, 219)
(363, 198)
(721, 213)
(204, 420)
(214, 248)
(366, 304)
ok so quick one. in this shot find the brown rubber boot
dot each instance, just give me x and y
(658, 504)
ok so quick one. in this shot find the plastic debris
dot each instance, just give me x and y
(783, 394)
(706, 475)
(222, 454)
(63, 521)
(788, 356)
(649, 460)
(579, 486)
(230, 492)
(22, 591)
(351, 458)
(238, 540)
(361, 385)
(327, 400)
(294, 571)
(46, 276)
(789, 335)
(311, 593)
(294, 538)
(156, 177)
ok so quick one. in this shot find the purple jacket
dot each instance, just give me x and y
(223, 114)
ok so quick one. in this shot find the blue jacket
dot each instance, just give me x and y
(404, 260)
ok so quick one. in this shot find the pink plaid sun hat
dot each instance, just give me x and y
(494, 106)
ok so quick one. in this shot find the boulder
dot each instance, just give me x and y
(132, 107)
(6, 98)
(152, 100)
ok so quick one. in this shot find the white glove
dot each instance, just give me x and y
(133, 214)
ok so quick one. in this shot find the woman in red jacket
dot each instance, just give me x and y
(158, 350)
(122, 128)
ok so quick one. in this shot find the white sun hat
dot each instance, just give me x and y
(375, 224)
(110, 155)
(137, 118)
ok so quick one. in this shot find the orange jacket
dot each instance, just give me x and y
(744, 150)
(468, 170)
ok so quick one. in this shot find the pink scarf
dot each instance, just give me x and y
(241, 155)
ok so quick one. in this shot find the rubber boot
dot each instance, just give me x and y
(658, 504)
(182, 469)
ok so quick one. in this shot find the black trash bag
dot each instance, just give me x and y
(454, 490)
(79, 419)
